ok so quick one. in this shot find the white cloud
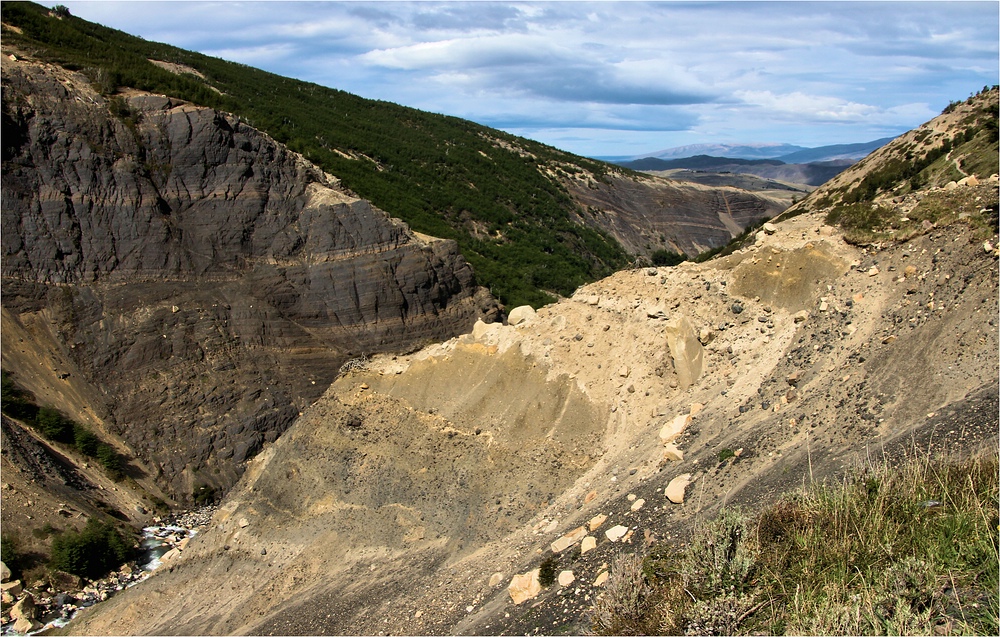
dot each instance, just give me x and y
(809, 73)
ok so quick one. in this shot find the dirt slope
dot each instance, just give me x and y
(392, 503)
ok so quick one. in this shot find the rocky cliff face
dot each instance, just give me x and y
(653, 213)
(209, 281)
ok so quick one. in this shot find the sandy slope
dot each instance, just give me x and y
(390, 504)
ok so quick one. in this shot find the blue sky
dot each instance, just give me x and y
(611, 78)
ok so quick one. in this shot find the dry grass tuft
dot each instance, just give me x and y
(900, 550)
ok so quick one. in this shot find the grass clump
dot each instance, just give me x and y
(891, 550)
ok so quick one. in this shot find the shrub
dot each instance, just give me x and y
(112, 462)
(85, 441)
(204, 494)
(92, 552)
(54, 425)
(622, 607)
(10, 553)
(667, 258)
(15, 402)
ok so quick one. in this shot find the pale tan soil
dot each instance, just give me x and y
(391, 502)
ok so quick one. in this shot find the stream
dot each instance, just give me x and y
(160, 542)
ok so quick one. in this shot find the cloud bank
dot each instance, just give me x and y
(612, 78)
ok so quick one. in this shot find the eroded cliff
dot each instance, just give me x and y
(209, 281)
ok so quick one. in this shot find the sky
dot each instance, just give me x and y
(611, 78)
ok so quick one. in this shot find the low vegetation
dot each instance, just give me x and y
(892, 550)
(56, 427)
(868, 212)
(93, 552)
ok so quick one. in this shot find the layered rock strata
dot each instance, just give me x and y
(208, 280)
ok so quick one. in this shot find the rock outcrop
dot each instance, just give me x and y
(206, 279)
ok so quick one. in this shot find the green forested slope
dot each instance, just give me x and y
(445, 176)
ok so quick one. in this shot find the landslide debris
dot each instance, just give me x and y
(543, 444)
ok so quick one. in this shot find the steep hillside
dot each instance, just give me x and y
(910, 184)
(484, 485)
(505, 200)
(206, 282)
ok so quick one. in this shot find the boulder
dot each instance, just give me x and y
(65, 581)
(596, 522)
(589, 543)
(24, 608)
(566, 578)
(671, 453)
(14, 588)
(685, 349)
(4, 572)
(24, 625)
(670, 431)
(769, 228)
(675, 490)
(638, 504)
(616, 533)
(520, 314)
(524, 586)
(569, 539)
(603, 577)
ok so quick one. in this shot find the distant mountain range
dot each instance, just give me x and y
(787, 153)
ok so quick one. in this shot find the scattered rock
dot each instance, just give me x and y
(65, 581)
(520, 315)
(695, 409)
(24, 626)
(801, 316)
(12, 588)
(987, 247)
(793, 378)
(675, 490)
(671, 453)
(670, 431)
(589, 543)
(624, 371)
(524, 586)
(638, 504)
(706, 335)
(4, 572)
(616, 533)
(873, 271)
(566, 578)
(495, 579)
(597, 521)
(737, 308)
(590, 496)
(244, 523)
(769, 228)
(569, 539)
(603, 577)
(24, 608)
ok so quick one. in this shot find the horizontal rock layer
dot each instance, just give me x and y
(207, 279)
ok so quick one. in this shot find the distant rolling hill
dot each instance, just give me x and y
(787, 153)
(811, 174)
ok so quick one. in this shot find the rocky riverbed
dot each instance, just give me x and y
(52, 601)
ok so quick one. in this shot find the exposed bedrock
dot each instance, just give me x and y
(207, 279)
